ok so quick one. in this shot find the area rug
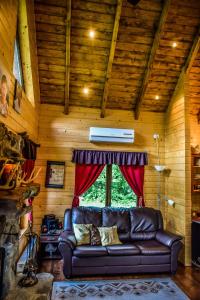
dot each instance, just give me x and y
(141, 289)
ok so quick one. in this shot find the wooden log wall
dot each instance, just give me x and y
(177, 160)
(195, 140)
(28, 119)
(59, 134)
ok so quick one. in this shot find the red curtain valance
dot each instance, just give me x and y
(94, 157)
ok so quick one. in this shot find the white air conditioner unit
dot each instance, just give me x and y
(111, 135)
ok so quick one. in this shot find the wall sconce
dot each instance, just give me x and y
(158, 167)
(170, 202)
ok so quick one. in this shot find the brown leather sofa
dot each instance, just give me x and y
(146, 246)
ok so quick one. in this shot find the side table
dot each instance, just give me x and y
(49, 245)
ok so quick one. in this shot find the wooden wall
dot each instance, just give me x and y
(177, 160)
(195, 140)
(59, 134)
(28, 120)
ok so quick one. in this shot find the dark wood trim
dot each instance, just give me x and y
(111, 57)
(67, 64)
(108, 185)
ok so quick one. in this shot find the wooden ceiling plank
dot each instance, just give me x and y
(111, 57)
(193, 53)
(189, 62)
(67, 72)
(154, 48)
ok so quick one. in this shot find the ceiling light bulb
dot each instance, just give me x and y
(91, 34)
(174, 44)
(85, 91)
(157, 97)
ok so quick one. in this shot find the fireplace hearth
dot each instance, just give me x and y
(12, 207)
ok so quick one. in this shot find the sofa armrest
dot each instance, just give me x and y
(68, 237)
(167, 238)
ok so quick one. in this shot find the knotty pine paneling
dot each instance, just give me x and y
(177, 160)
(59, 134)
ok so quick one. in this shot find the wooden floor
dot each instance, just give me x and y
(187, 278)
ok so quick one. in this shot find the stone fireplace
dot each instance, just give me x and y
(12, 207)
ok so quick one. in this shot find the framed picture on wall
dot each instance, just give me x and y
(55, 174)
(4, 90)
(17, 97)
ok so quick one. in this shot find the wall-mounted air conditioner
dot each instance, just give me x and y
(111, 135)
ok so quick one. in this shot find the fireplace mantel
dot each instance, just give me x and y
(17, 196)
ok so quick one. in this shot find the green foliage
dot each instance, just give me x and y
(122, 194)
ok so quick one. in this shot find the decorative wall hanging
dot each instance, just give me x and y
(5, 84)
(55, 174)
(17, 97)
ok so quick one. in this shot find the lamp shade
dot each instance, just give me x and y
(159, 168)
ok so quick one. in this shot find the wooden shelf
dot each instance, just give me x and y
(195, 168)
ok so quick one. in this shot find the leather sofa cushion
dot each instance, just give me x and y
(143, 220)
(106, 261)
(124, 250)
(117, 217)
(87, 215)
(83, 251)
(152, 248)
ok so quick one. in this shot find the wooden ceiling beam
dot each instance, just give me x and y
(111, 57)
(149, 67)
(67, 63)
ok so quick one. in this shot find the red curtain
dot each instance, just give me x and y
(134, 175)
(27, 168)
(85, 176)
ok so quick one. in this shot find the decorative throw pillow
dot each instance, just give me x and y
(82, 233)
(95, 236)
(109, 236)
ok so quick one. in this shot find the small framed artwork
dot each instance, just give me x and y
(55, 174)
(17, 97)
(4, 94)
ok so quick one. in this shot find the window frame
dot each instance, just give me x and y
(108, 186)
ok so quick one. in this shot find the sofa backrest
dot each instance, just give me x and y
(145, 222)
(120, 217)
(82, 215)
(132, 223)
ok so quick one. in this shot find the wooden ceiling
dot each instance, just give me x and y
(130, 60)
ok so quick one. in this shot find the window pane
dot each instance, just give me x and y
(17, 67)
(96, 195)
(122, 194)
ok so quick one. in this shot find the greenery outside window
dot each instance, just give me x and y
(17, 65)
(110, 189)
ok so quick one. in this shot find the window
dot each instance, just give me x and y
(110, 189)
(17, 65)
